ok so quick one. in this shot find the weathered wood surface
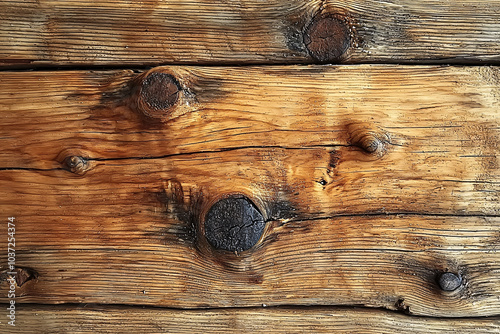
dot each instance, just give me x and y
(142, 254)
(121, 33)
(299, 135)
(374, 180)
(99, 319)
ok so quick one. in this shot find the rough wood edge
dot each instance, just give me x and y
(88, 318)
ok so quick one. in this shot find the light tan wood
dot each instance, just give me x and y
(294, 135)
(123, 33)
(112, 319)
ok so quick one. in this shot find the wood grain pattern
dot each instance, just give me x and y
(268, 199)
(99, 319)
(70, 32)
(293, 134)
(122, 244)
(373, 180)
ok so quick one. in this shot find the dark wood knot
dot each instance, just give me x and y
(158, 93)
(76, 164)
(19, 276)
(234, 224)
(449, 281)
(327, 38)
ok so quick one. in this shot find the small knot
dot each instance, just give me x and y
(449, 281)
(327, 38)
(158, 93)
(365, 137)
(234, 224)
(76, 164)
(369, 143)
(19, 276)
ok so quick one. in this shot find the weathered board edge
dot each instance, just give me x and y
(89, 318)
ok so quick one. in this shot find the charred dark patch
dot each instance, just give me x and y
(185, 211)
(281, 209)
(401, 306)
(145, 101)
(293, 26)
(117, 94)
(295, 40)
(205, 89)
(327, 38)
(119, 106)
(234, 224)
(411, 267)
(334, 159)
(108, 87)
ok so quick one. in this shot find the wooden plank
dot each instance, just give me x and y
(124, 243)
(383, 139)
(69, 32)
(112, 319)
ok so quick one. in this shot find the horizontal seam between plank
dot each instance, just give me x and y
(319, 307)
(143, 67)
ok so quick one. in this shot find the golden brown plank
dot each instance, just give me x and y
(128, 241)
(69, 32)
(110, 319)
(337, 140)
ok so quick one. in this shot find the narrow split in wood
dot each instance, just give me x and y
(234, 223)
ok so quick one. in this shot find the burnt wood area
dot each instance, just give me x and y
(281, 166)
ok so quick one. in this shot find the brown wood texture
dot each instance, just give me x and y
(376, 262)
(373, 180)
(297, 134)
(121, 33)
(99, 319)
